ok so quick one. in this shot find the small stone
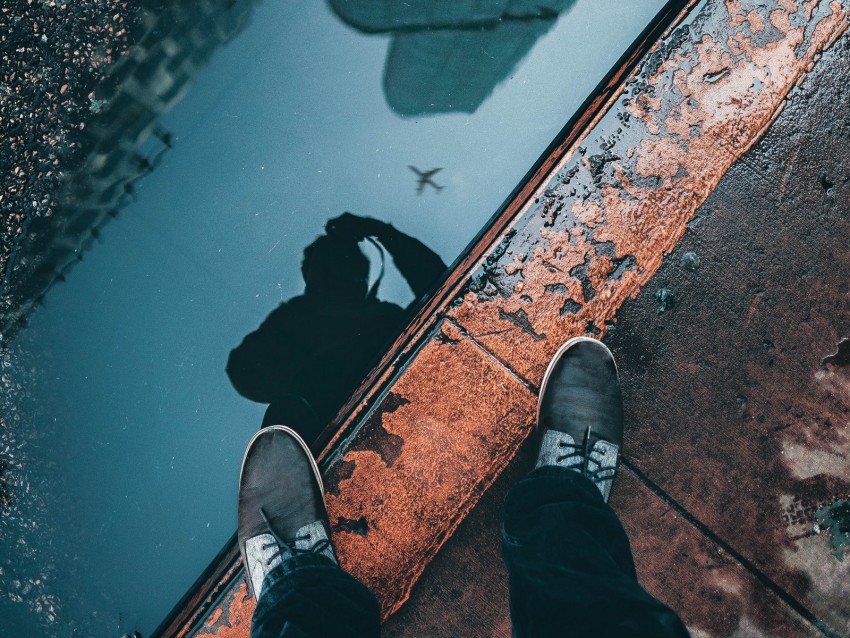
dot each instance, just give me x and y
(666, 300)
(690, 261)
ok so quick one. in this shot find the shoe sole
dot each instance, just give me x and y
(294, 435)
(557, 357)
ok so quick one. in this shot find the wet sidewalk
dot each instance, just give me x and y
(700, 229)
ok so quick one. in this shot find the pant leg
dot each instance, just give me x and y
(570, 565)
(310, 597)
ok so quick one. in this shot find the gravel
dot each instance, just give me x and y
(54, 53)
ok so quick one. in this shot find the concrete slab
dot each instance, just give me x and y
(716, 595)
(422, 459)
(436, 442)
(739, 411)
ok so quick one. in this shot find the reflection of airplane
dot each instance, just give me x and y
(425, 178)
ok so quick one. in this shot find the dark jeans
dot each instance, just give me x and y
(569, 564)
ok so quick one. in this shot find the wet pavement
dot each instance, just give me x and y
(699, 229)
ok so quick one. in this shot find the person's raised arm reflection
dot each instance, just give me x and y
(310, 353)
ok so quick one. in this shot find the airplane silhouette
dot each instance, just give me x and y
(425, 178)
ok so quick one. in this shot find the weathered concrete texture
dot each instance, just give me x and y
(464, 590)
(590, 240)
(601, 228)
(737, 399)
(420, 462)
(738, 410)
(714, 593)
(232, 616)
(456, 417)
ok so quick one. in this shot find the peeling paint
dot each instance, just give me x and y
(638, 189)
(459, 433)
(374, 437)
(734, 412)
(232, 617)
(823, 449)
(520, 320)
(351, 526)
(811, 555)
(841, 357)
(812, 457)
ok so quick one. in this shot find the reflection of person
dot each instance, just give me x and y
(310, 354)
(569, 562)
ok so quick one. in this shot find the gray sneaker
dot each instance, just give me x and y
(580, 412)
(281, 504)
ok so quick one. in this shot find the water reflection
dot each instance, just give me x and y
(450, 55)
(311, 352)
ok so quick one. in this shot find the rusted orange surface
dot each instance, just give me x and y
(588, 241)
(454, 419)
(232, 617)
(647, 166)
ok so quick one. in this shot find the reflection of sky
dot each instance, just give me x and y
(287, 128)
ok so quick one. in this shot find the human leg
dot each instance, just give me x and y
(284, 537)
(569, 562)
(310, 597)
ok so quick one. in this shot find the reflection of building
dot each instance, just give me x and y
(379, 16)
(448, 56)
(177, 41)
(431, 72)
